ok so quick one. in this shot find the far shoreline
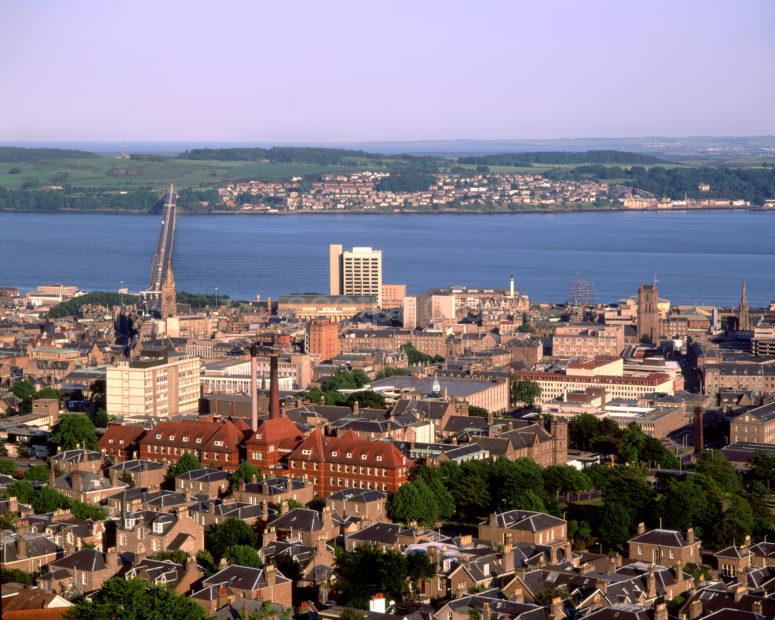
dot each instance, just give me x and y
(368, 212)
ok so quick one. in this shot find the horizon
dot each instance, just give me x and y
(355, 73)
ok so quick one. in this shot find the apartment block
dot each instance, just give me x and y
(153, 387)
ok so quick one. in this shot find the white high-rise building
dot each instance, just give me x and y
(355, 272)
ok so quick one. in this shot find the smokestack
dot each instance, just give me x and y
(699, 438)
(511, 286)
(274, 387)
(253, 388)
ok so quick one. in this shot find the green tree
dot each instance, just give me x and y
(206, 561)
(268, 612)
(526, 391)
(99, 418)
(352, 614)
(48, 500)
(7, 467)
(246, 471)
(737, 521)
(563, 479)
(187, 462)
(228, 534)
(419, 566)
(74, 431)
(414, 501)
(25, 391)
(243, 555)
(527, 500)
(715, 466)
(479, 412)
(37, 472)
(615, 522)
(366, 398)
(684, 504)
(132, 599)
(582, 430)
(14, 575)
(367, 570)
(628, 487)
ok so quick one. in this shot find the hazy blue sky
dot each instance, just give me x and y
(394, 70)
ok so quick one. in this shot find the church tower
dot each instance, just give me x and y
(648, 313)
(743, 320)
(169, 306)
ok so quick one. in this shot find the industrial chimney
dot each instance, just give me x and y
(274, 387)
(699, 439)
(254, 387)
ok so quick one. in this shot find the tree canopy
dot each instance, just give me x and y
(132, 599)
(187, 462)
(230, 533)
(74, 431)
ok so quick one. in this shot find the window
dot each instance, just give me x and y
(379, 458)
(306, 452)
(199, 440)
(363, 456)
(185, 439)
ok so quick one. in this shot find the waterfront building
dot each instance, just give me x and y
(355, 272)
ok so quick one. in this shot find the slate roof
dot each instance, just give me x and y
(86, 559)
(37, 545)
(304, 519)
(527, 520)
(663, 538)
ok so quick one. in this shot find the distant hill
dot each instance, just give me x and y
(559, 157)
(19, 155)
(280, 154)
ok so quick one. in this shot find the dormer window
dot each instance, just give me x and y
(349, 455)
(172, 437)
(306, 452)
(199, 440)
(158, 528)
(129, 523)
(218, 443)
(258, 435)
(363, 456)
(185, 439)
(333, 453)
(158, 435)
(110, 441)
(379, 458)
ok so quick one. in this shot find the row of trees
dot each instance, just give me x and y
(46, 499)
(346, 380)
(72, 200)
(559, 157)
(754, 184)
(630, 445)
(470, 491)
(26, 392)
(417, 357)
(368, 570)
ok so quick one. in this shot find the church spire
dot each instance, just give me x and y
(743, 319)
(169, 306)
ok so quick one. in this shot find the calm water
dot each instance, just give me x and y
(697, 257)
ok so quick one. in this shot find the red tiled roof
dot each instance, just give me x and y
(349, 448)
(118, 434)
(275, 431)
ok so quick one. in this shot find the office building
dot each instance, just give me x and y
(155, 387)
(355, 272)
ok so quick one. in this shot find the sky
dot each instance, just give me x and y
(328, 70)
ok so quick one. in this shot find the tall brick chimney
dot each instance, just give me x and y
(253, 387)
(274, 387)
(699, 438)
